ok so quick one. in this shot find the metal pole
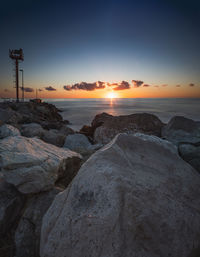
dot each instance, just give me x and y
(22, 71)
(17, 81)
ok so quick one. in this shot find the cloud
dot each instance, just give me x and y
(6, 90)
(86, 86)
(156, 86)
(28, 89)
(191, 85)
(50, 88)
(178, 85)
(122, 86)
(146, 85)
(137, 83)
(40, 90)
(165, 85)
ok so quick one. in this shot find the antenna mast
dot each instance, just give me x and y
(16, 55)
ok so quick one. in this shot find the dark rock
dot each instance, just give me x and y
(106, 126)
(191, 154)
(29, 112)
(87, 131)
(53, 137)
(11, 204)
(27, 235)
(180, 129)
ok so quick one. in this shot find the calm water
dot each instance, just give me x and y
(82, 111)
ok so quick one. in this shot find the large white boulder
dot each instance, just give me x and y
(8, 130)
(135, 197)
(32, 165)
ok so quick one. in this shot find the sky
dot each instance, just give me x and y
(102, 48)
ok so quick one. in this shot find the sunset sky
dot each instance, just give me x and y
(102, 48)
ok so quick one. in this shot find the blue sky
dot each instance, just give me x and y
(65, 42)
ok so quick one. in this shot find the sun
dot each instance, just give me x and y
(111, 95)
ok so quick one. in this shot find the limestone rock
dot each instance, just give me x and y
(133, 197)
(8, 130)
(33, 165)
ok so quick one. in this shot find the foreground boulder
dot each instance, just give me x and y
(32, 165)
(27, 235)
(133, 197)
(105, 127)
(180, 129)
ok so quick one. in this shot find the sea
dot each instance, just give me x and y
(81, 112)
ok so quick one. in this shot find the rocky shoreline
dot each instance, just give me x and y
(124, 186)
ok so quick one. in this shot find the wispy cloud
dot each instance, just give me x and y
(178, 85)
(191, 85)
(146, 85)
(28, 89)
(50, 88)
(137, 83)
(164, 85)
(86, 86)
(122, 86)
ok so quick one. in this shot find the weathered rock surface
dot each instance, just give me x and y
(191, 154)
(78, 143)
(32, 165)
(106, 126)
(30, 112)
(133, 198)
(27, 235)
(53, 137)
(8, 130)
(180, 129)
(11, 204)
(32, 130)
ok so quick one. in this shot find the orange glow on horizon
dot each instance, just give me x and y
(111, 95)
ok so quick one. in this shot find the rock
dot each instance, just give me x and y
(78, 143)
(65, 130)
(27, 235)
(33, 165)
(11, 204)
(8, 130)
(106, 126)
(191, 154)
(133, 197)
(180, 129)
(53, 137)
(32, 130)
(9, 116)
(29, 112)
(87, 131)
